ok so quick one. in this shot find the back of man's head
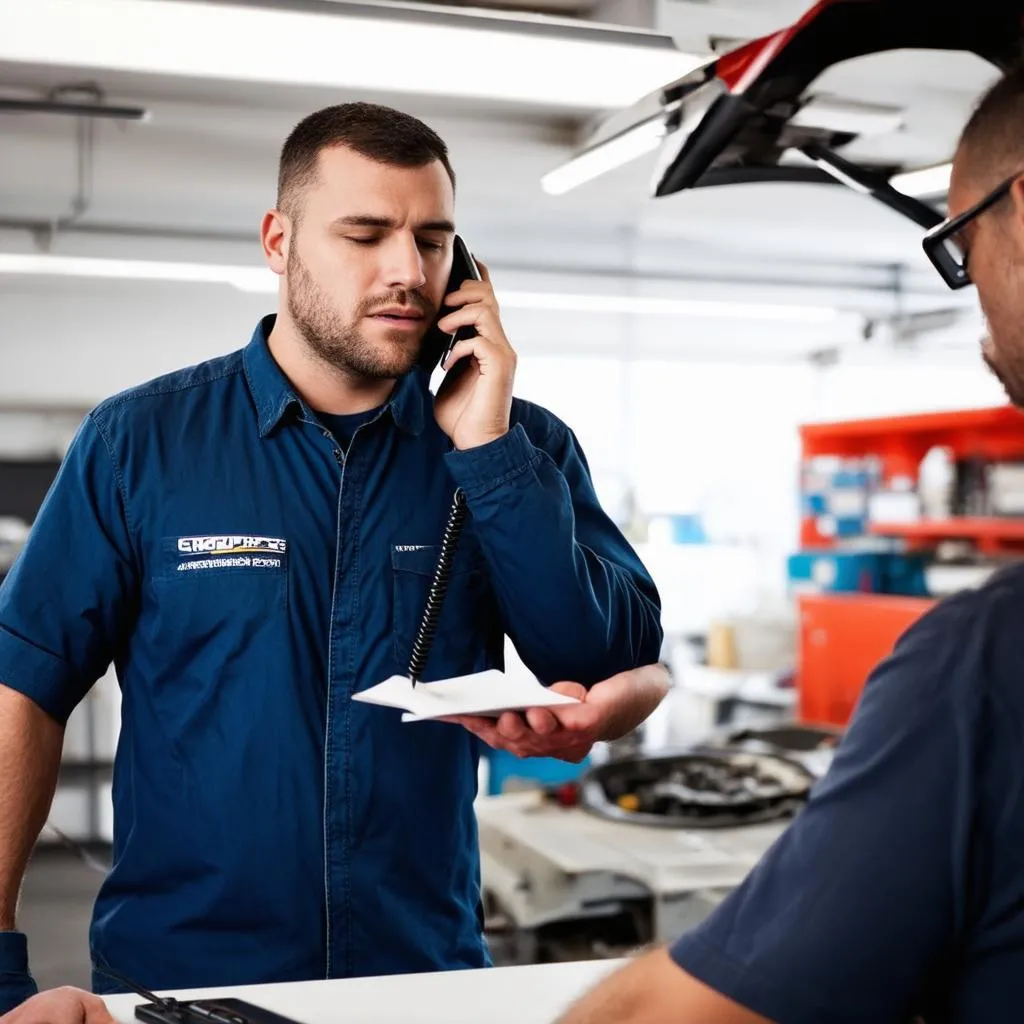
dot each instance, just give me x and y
(378, 133)
(991, 146)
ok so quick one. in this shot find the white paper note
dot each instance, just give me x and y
(483, 693)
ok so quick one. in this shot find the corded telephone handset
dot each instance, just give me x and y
(436, 347)
(437, 344)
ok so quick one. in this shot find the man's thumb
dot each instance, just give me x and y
(577, 690)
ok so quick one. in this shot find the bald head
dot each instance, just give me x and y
(991, 242)
(991, 147)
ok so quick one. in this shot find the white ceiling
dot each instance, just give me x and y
(206, 163)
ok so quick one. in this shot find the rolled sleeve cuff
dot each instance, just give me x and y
(16, 984)
(478, 470)
(744, 986)
(39, 675)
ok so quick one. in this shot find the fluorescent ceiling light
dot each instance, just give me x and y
(263, 280)
(929, 181)
(644, 305)
(247, 279)
(844, 116)
(374, 47)
(604, 157)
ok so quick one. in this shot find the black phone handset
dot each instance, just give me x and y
(437, 346)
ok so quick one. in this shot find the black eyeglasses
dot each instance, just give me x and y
(943, 244)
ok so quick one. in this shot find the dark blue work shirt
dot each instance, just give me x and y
(207, 535)
(898, 892)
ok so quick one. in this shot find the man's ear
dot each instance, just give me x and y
(1017, 198)
(276, 238)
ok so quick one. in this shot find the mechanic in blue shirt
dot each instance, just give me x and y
(251, 541)
(898, 892)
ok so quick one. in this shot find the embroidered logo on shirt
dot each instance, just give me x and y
(230, 551)
(411, 547)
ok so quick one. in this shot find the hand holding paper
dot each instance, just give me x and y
(609, 710)
(566, 732)
(483, 693)
(519, 715)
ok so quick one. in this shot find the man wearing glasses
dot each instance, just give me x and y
(897, 895)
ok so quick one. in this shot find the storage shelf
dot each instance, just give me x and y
(901, 442)
(843, 636)
(970, 429)
(989, 533)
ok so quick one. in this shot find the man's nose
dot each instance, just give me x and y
(404, 266)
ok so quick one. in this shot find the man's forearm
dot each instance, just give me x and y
(575, 598)
(30, 746)
(653, 990)
(645, 689)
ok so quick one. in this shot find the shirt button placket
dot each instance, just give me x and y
(330, 772)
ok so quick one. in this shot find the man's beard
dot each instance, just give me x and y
(1013, 387)
(342, 344)
(1003, 345)
(1002, 300)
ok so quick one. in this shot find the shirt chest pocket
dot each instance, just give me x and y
(468, 631)
(217, 634)
(238, 581)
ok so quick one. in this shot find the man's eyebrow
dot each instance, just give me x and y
(437, 225)
(365, 220)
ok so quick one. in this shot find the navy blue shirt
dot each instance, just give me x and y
(207, 535)
(898, 891)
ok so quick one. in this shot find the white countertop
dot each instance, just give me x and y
(498, 995)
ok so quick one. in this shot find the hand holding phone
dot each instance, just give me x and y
(474, 401)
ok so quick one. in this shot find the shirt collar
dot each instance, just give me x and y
(273, 394)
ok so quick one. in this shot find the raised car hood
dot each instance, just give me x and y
(733, 119)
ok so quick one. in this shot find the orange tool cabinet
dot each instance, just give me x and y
(842, 638)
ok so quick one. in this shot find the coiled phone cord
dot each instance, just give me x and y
(438, 587)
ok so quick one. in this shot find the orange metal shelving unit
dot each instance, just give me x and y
(991, 535)
(843, 636)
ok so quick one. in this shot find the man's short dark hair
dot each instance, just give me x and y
(993, 141)
(376, 132)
